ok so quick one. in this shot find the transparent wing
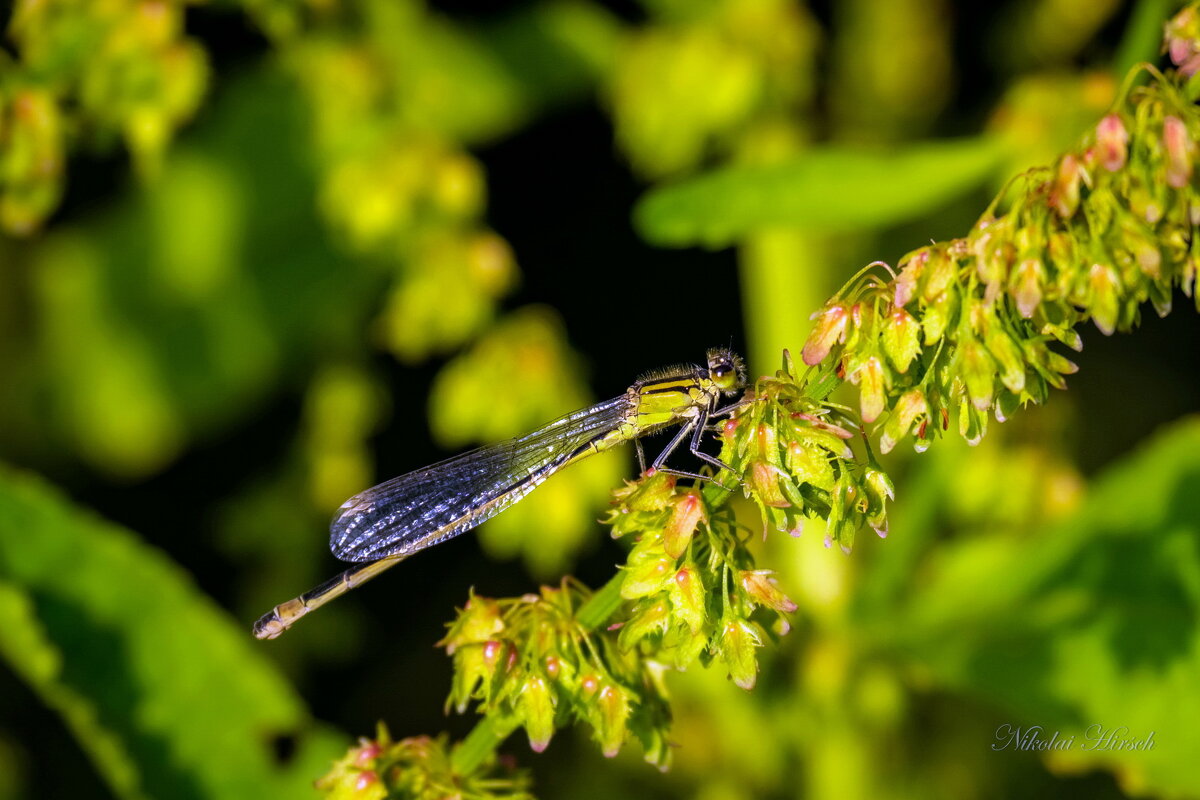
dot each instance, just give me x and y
(422, 508)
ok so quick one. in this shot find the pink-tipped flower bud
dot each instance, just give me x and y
(613, 707)
(1112, 141)
(908, 409)
(763, 481)
(910, 275)
(1065, 195)
(1180, 151)
(1027, 285)
(368, 751)
(687, 598)
(535, 705)
(687, 513)
(759, 584)
(1182, 34)
(829, 330)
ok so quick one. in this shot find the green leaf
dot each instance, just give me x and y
(169, 697)
(1096, 622)
(1143, 34)
(826, 189)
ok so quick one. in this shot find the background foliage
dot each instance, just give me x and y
(261, 254)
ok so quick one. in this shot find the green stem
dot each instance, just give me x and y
(601, 605)
(480, 744)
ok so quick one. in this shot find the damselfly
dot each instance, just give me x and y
(388, 523)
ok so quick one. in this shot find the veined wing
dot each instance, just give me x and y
(413, 511)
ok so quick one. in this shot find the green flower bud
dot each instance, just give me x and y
(940, 272)
(910, 407)
(1060, 364)
(978, 372)
(1008, 355)
(535, 705)
(901, 339)
(842, 524)
(878, 489)
(1068, 336)
(646, 620)
(646, 573)
(653, 492)
(936, 316)
(814, 430)
(809, 463)
(993, 258)
(1064, 256)
(1104, 288)
(470, 669)
(738, 638)
(478, 621)
(1027, 286)
(1146, 202)
(613, 714)
(681, 647)
(1065, 195)
(872, 392)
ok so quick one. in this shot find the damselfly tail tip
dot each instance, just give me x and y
(268, 626)
(279, 619)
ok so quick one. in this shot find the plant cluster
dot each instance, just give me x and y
(965, 330)
(86, 75)
(418, 766)
(535, 661)
(967, 326)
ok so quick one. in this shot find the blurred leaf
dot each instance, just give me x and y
(168, 698)
(1095, 622)
(165, 315)
(713, 80)
(1142, 39)
(1043, 113)
(519, 375)
(891, 68)
(1048, 35)
(829, 188)
(579, 39)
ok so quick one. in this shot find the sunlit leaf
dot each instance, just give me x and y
(1094, 622)
(168, 696)
(829, 188)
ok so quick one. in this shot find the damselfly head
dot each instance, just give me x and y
(726, 369)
